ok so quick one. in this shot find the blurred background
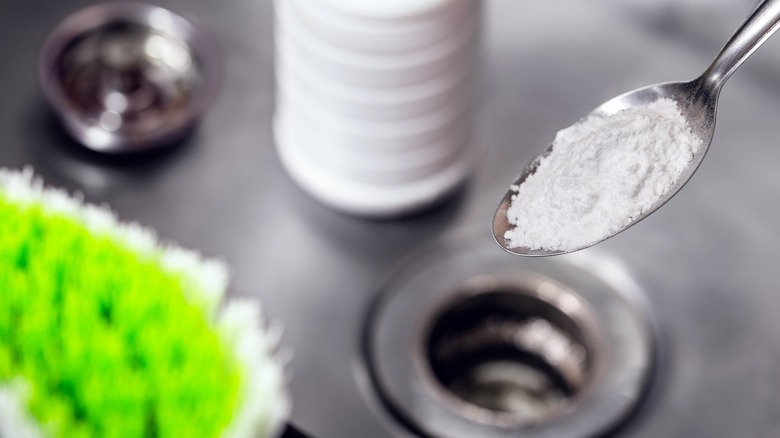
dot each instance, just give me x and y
(706, 264)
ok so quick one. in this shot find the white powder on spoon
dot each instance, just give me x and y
(601, 174)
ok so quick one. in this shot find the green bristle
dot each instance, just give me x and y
(108, 343)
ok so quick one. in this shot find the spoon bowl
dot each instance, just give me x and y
(696, 99)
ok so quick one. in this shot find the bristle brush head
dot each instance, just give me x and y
(106, 332)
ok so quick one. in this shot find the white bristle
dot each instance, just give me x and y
(265, 404)
(15, 422)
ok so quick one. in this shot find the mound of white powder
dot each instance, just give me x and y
(601, 174)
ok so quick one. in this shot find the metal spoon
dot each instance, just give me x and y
(696, 99)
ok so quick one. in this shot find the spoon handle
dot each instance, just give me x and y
(758, 27)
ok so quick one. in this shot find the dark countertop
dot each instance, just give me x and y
(708, 260)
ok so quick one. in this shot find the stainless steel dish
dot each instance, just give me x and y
(126, 77)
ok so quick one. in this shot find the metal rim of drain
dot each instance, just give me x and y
(465, 340)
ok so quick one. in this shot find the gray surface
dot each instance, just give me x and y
(709, 259)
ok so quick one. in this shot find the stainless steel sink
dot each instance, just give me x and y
(707, 262)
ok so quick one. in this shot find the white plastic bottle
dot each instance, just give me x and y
(375, 111)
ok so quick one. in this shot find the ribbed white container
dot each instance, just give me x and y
(376, 101)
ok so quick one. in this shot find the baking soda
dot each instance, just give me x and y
(602, 173)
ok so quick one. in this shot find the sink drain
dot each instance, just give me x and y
(510, 350)
(467, 341)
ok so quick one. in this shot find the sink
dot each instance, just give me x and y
(707, 262)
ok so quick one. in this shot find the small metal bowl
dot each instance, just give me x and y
(128, 77)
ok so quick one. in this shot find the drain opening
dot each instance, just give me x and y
(508, 356)
(465, 341)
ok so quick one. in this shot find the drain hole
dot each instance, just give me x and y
(505, 381)
(506, 354)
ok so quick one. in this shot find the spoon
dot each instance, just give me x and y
(696, 99)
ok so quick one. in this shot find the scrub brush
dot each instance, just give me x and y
(106, 332)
